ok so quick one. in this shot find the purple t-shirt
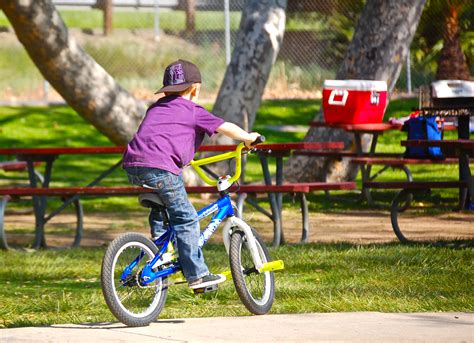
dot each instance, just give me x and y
(170, 134)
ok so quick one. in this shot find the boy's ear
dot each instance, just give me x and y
(196, 88)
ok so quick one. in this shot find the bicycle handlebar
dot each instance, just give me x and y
(260, 139)
(237, 154)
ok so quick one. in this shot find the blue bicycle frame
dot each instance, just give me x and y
(222, 209)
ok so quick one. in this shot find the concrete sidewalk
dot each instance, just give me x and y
(314, 327)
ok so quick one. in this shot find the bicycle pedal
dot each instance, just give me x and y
(211, 288)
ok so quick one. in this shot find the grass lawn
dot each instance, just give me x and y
(46, 287)
(62, 286)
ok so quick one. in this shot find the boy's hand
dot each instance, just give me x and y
(251, 138)
(233, 131)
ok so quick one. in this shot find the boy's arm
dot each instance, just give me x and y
(233, 131)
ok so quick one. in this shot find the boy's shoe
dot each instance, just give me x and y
(208, 280)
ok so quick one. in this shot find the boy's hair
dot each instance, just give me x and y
(183, 92)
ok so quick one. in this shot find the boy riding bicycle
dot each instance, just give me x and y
(166, 141)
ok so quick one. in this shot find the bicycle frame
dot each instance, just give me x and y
(222, 209)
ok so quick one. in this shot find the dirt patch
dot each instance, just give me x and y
(360, 227)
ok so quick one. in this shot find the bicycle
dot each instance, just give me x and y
(136, 271)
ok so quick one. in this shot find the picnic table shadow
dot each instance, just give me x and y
(341, 246)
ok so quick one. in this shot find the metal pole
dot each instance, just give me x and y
(408, 73)
(45, 91)
(227, 31)
(157, 20)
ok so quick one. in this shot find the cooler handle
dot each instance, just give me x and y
(341, 97)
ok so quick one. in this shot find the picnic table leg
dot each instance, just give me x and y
(3, 238)
(242, 198)
(279, 181)
(304, 213)
(465, 174)
(239, 203)
(39, 202)
(364, 170)
(75, 199)
(464, 171)
(244, 167)
(273, 202)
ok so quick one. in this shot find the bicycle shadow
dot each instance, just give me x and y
(110, 325)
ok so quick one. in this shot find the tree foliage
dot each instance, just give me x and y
(428, 41)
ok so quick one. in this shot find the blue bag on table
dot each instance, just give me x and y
(422, 127)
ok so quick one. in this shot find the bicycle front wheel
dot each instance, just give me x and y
(129, 301)
(256, 290)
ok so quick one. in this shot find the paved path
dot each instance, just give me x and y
(314, 327)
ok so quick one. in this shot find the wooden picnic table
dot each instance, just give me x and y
(374, 129)
(279, 151)
(48, 155)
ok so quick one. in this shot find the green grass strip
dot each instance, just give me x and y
(53, 287)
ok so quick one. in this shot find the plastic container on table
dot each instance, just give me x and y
(354, 101)
(452, 93)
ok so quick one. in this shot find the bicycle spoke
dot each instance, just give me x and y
(126, 296)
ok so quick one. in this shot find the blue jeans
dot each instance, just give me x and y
(183, 216)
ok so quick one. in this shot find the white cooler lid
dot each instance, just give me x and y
(359, 85)
(452, 89)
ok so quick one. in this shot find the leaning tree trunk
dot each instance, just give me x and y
(452, 63)
(379, 47)
(83, 83)
(258, 43)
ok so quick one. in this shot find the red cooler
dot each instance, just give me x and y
(354, 101)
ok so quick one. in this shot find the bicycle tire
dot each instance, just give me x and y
(140, 305)
(256, 290)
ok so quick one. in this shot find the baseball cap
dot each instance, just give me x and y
(179, 75)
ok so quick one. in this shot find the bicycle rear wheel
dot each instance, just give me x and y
(256, 290)
(131, 303)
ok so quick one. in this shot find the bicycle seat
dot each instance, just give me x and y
(150, 200)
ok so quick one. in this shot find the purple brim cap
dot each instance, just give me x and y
(179, 76)
(174, 88)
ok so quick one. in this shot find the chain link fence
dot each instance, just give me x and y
(149, 34)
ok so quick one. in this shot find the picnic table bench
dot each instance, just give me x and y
(71, 195)
(14, 166)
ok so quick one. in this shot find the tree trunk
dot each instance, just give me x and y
(452, 63)
(83, 83)
(378, 49)
(257, 46)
